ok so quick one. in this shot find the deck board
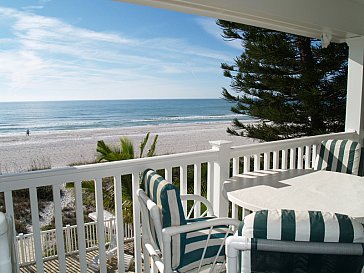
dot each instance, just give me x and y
(73, 265)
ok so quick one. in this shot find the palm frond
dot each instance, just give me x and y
(143, 144)
(103, 149)
(126, 148)
(151, 151)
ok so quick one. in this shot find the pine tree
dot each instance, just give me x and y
(290, 83)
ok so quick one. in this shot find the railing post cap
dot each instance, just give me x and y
(220, 143)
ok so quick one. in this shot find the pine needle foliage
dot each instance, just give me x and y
(290, 83)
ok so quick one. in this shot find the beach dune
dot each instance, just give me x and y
(20, 153)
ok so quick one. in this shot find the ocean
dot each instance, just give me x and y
(17, 117)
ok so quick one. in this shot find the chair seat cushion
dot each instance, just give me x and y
(339, 156)
(195, 243)
(305, 226)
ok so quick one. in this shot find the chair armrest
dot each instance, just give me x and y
(171, 231)
(234, 244)
(199, 198)
(155, 256)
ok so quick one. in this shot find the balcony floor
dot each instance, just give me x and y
(73, 264)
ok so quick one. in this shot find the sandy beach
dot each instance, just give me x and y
(60, 149)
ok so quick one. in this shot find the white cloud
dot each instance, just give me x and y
(210, 26)
(31, 8)
(49, 57)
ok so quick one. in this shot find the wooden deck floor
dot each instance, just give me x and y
(73, 266)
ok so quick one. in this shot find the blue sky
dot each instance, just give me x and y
(101, 49)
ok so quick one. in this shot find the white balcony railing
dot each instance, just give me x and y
(295, 153)
(25, 242)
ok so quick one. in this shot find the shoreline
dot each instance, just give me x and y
(61, 148)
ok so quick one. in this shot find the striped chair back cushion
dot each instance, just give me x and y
(167, 198)
(339, 156)
(304, 226)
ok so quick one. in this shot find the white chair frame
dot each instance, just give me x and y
(161, 256)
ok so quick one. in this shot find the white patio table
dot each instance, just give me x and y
(298, 190)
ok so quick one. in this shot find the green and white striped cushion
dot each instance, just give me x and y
(167, 198)
(304, 226)
(195, 243)
(339, 156)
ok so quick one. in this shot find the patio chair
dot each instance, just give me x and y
(339, 156)
(174, 242)
(289, 241)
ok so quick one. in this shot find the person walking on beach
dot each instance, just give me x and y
(28, 132)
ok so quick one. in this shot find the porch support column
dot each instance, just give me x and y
(221, 172)
(355, 88)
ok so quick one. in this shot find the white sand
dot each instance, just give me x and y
(59, 149)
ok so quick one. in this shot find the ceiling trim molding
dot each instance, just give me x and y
(342, 19)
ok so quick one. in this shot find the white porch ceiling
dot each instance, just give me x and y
(343, 19)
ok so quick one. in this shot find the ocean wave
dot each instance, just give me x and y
(75, 115)
(189, 118)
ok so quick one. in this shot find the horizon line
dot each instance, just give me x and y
(67, 100)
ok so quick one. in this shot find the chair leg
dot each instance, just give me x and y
(146, 260)
(154, 268)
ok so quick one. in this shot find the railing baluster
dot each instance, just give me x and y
(210, 179)
(266, 161)
(168, 174)
(32, 253)
(234, 211)
(256, 162)
(80, 226)
(235, 165)
(197, 187)
(284, 159)
(292, 158)
(22, 257)
(300, 158)
(183, 185)
(74, 239)
(52, 246)
(119, 223)
(137, 230)
(36, 229)
(314, 154)
(87, 237)
(59, 226)
(307, 157)
(100, 224)
(246, 164)
(275, 160)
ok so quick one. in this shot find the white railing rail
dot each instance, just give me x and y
(25, 242)
(285, 154)
(295, 153)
